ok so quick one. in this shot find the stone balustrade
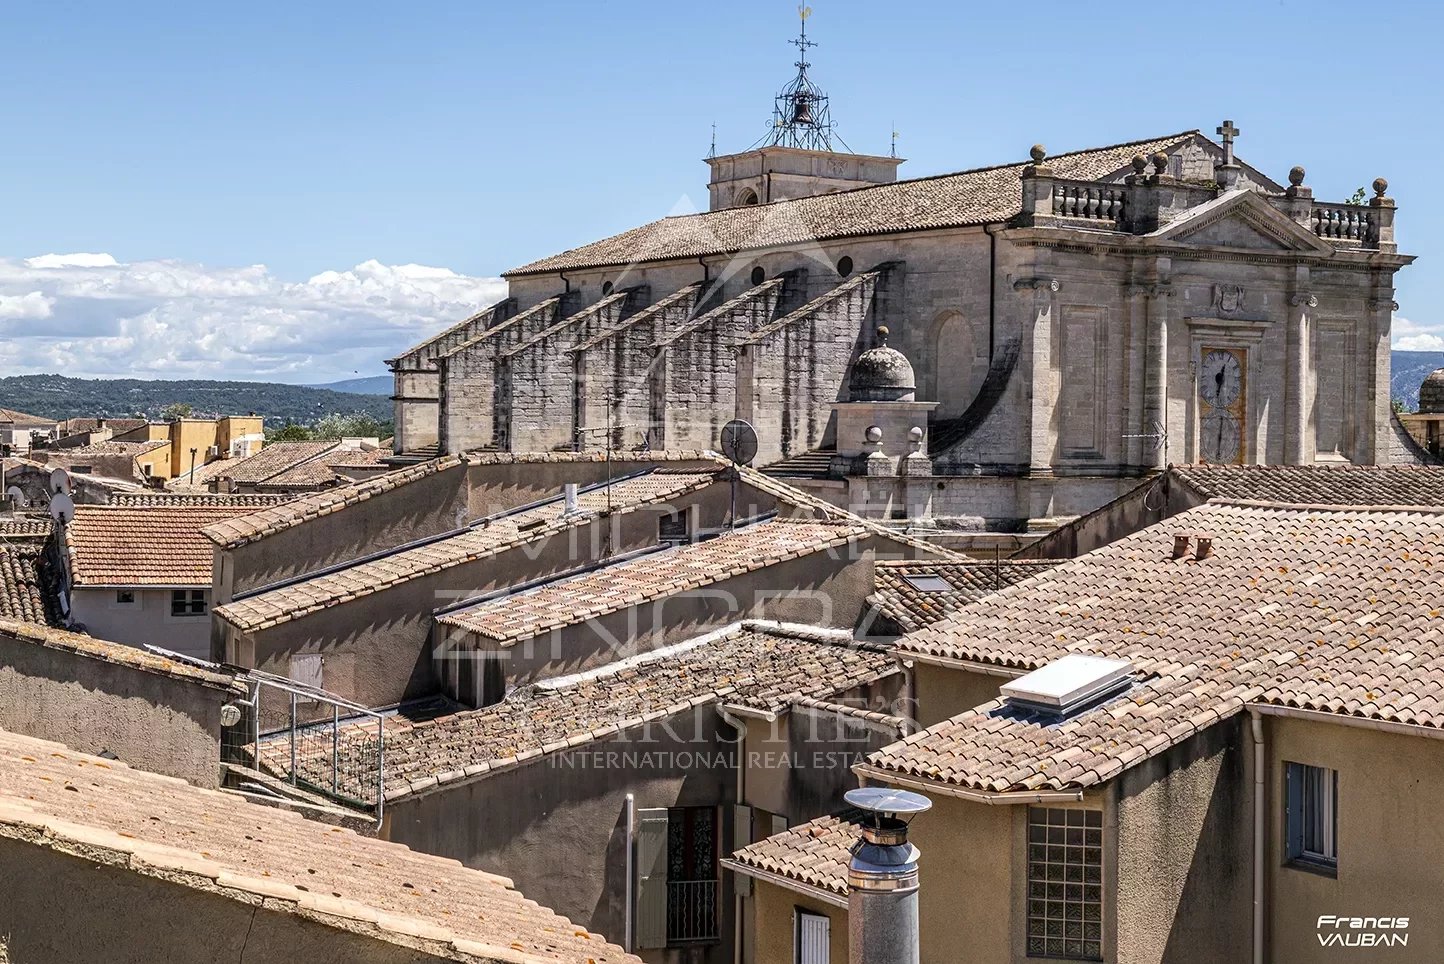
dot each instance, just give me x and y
(1344, 222)
(1090, 201)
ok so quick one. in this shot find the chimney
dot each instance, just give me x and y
(882, 878)
(569, 499)
(1180, 544)
(1204, 547)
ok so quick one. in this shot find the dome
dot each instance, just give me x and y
(882, 374)
(1431, 394)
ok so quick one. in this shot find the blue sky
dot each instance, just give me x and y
(193, 142)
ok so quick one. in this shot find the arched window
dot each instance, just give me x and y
(758, 275)
(606, 288)
(844, 266)
(746, 196)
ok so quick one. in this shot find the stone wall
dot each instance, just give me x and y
(100, 697)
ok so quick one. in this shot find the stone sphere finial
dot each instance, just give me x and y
(1038, 153)
(1296, 175)
(1380, 186)
(915, 433)
(873, 434)
(1160, 162)
(1140, 163)
(882, 334)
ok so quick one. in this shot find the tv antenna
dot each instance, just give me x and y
(739, 445)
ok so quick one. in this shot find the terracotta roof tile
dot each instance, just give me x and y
(192, 837)
(130, 657)
(1318, 484)
(755, 663)
(25, 593)
(157, 545)
(25, 527)
(982, 196)
(487, 537)
(1329, 608)
(815, 853)
(617, 586)
(904, 593)
(250, 501)
(271, 461)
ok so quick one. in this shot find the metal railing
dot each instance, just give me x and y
(691, 911)
(318, 742)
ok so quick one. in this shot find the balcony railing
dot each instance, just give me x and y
(691, 911)
(1344, 222)
(1089, 201)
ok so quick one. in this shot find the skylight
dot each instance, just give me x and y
(1068, 683)
(928, 582)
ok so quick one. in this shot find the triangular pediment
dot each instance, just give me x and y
(1241, 220)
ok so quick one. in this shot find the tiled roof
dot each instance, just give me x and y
(130, 657)
(267, 609)
(24, 418)
(112, 545)
(109, 447)
(308, 476)
(762, 665)
(619, 585)
(250, 500)
(272, 460)
(983, 196)
(25, 527)
(196, 480)
(146, 824)
(1333, 609)
(360, 458)
(1318, 484)
(909, 607)
(814, 854)
(24, 594)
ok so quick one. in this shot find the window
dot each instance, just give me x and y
(606, 288)
(124, 597)
(677, 889)
(758, 275)
(1065, 883)
(844, 266)
(188, 602)
(674, 529)
(1312, 816)
(810, 937)
(928, 582)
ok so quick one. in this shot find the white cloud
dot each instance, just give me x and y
(32, 304)
(1411, 336)
(91, 316)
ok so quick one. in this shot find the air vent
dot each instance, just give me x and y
(1068, 684)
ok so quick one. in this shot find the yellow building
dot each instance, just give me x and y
(197, 441)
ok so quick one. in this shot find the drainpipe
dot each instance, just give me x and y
(992, 287)
(882, 879)
(630, 890)
(1260, 766)
(740, 726)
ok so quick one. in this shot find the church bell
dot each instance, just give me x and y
(802, 110)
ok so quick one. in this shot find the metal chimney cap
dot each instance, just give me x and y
(887, 802)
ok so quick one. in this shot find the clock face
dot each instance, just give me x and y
(1219, 437)
(1220, 379)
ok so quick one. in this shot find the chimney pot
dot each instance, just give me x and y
(1180, 544)
(1204, 547)
(569, 498)
(882, 879)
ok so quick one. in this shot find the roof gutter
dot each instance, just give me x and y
(1339, 719)
(777, 880)
(866, 771)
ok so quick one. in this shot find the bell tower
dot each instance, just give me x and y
(796, 158)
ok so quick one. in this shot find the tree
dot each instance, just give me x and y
(290, 432)
(176, 410)
(352, 425)
(1358, 197)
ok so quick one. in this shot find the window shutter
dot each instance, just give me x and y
(811, 937)
(1293, 810)
(741, 837)
(652, 878)
(779, 823)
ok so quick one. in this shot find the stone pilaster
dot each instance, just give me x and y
(1298, 439)
(1374, 406)
(1039, 323)
(1154, 452)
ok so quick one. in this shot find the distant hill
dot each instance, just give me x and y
(56, 396)
(1408, 370)
(375, 385)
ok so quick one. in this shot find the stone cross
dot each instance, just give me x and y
(1228, 132)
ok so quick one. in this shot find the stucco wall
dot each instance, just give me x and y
(1389, 838)
(1185, 842)
(56, 908)
(773, 910)
(942, 693)
(556, 826)
(149, 720)
(147, 620)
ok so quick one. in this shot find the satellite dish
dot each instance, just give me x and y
(739, 442)
(59, 482)
(62, 508)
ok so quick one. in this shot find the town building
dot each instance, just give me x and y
(1075, 322)
(16, 429)
(286, 467)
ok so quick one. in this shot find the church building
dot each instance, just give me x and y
(997, 349)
